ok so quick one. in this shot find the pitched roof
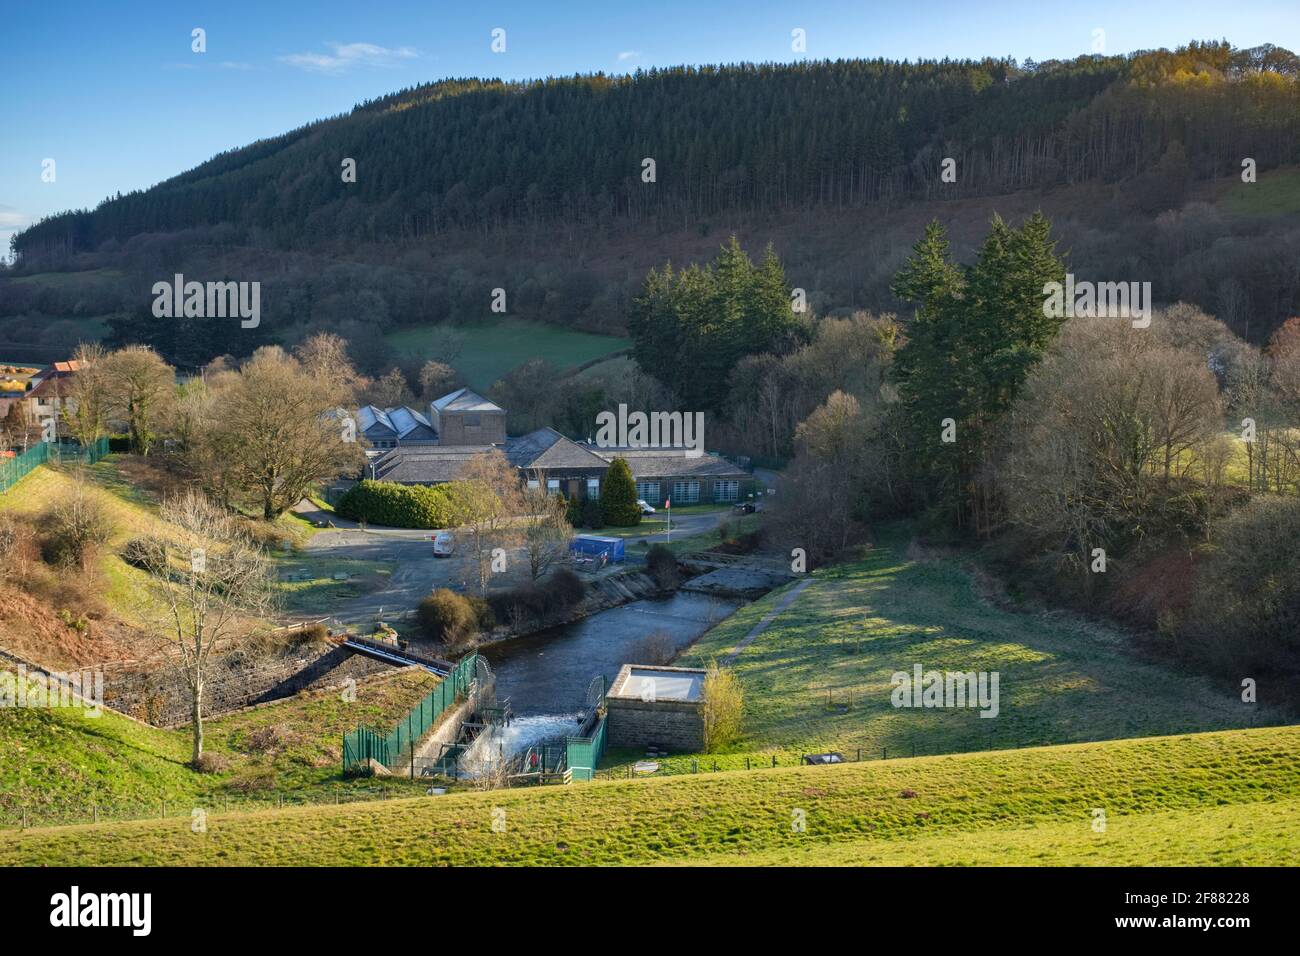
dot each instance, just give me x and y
(426, 466)
(401, 422)
(465, 400)
(547, 448)
(672, 463)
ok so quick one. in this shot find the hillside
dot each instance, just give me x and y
(1192, 799)
(1101, 144)
(61, 763)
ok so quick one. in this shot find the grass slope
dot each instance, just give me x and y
(1176, 794)
(59, 762)
(819, 677)
(493, 348)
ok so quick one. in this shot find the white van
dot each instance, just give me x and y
(444, 543)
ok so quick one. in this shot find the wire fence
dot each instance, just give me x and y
(15, 469)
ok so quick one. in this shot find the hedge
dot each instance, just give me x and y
(397, 506)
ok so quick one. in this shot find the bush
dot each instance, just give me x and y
(566, 587)
(74, 528)
(661, 563)
(136, 552)
(447, 616)
(592, 516)
(211, 763)
(1246, 610)
(724, 707)
(397, 506)
(484, 616)
(618, 496)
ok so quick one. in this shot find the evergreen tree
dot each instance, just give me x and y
(618, 496)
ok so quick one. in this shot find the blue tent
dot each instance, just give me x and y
(593, 546)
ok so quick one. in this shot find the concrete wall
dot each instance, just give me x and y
(670, 724)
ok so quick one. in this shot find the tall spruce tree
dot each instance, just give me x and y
(976, 332)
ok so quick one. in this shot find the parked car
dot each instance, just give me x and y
(644, 506)
(444, 543)
(746, 507)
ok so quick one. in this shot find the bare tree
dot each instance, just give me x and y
(210, 578)
(545, 528)
(485, 503)
(139, 389)
(86, 404)
(272, 432)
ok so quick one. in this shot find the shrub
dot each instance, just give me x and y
(618, 496)
(75, 527)
(484, 616)
(566, 587)
(592, 516)
(446, 616)
(211, 763)
(724, 707)
(1247, 604)
(136, 552)
(398, 506)
(661, 563)
(573, 512)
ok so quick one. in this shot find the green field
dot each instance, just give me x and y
(1198, 799)
(1276, 193)
(59, 763)
(819, 678)
(493, 348)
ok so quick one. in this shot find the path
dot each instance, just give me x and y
(786, 600)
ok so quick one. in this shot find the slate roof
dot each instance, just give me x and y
(547, 448)
(426, 466)
(648, 463)
(465, 400)
(402, 423)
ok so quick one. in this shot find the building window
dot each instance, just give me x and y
(471, 421)
(648, 491)
(593, 488)
(686, 492)
(726, 490)
(533, 484)
(553, 486)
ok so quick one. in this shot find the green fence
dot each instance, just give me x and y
(365, 744)
(584, 753)
(13, 470)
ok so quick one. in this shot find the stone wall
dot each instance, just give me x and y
(233, 681)
(669, 724)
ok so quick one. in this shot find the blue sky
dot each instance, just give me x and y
(113, 93)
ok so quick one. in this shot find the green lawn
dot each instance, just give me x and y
(1194, 799)
(819, 678)
(493, 348)
(59, 762)
(319, 590)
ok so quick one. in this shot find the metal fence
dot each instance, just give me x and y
(584, 753)
(13, 470)
(365, 743)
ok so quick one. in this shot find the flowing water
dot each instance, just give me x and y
(548, 673)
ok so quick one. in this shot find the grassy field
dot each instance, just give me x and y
(1276, 193)
(493, 348)
(819, 677)
(59, 762)
(1195, 799)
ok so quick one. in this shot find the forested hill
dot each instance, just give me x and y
(477, 153)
